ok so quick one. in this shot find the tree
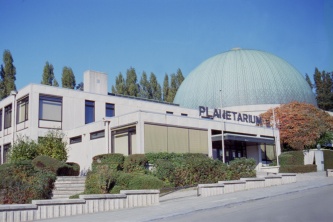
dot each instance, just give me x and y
(155, 88)
(301, 125)
(144, 86)
(308, 80)
(165, 88)
(80, 86)
(68, 78)
(324, 89)
(172, 89)
(55, 83)
(8, 75)
(131, 83)
(53, 145)
(23, 149)
(179, 78)
(48, 75)
(120, 87)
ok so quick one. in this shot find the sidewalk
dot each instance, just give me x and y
(186, 201)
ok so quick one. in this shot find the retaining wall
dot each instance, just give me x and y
(46, 209)
(223, 187)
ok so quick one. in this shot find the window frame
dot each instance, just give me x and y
(75, 139)
(97, 136)
(8, 111)
(6, 148)
(110, 106)
(89, 104)
(22, 102)
(54, 99)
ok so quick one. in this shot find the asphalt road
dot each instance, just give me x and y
(314, 205)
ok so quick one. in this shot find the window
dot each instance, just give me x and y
(8, 116)
(89, 111)
(168, 112)
(183, 114)
(22, 110)
(50, 108)
(98, 134)
(77, 139)
(6, 148)
(109, 110)
(0, 120)
(268, 152)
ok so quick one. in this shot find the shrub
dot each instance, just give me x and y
(242, 167)
(69, 169)
(21, 182)
(328, 159)
(23, 149)
(101, 181)
(48, 163)
(298, 168)
(164, 170)
(52, 145)
(152, 157)
(291, 158)
(135, 163)
(115, 161)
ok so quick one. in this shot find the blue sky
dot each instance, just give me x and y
(160, 36)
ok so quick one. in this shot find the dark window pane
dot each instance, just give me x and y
(89, 111)
(109, 110)
(8, 116)
(77, 139)
(98, 134)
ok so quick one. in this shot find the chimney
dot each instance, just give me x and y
(95, 82)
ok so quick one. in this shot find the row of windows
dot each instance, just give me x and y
(94, 135)
(90, 111)
(22, 113)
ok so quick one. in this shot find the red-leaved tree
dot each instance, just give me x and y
(301, 125)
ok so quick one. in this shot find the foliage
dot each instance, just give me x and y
(308, 80)
(48, 74)
(131, 82)
(166, 88)
(53, 145)
(324, 89)
(113, 160)
(242, 167)
(328, 159)
(21, 182)
(135, 163)
(298, 168)
(55, 83)
(80, 86)
(120, 87)
(291, 158)
(100, 181)
(7, 75)
(155, 92)
(68, 78)
(23, 149)
(144, 86)
(152, 157)
(47, 163)
(69, 169)
(301, 125)
(176, 81)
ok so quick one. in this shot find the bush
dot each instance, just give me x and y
(69, 169)
(52, 145)
(23, 149)
(48, 163)
(114, 161)
(101, 181)
(135, 163)
(152, 157)
(242, 167)
(291, 158)
(21, 182)
(328, 159)
(298, 168)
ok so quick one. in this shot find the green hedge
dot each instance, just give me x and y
(135, 163)
(115, 161)
(298, 168)
(48, 163)
(242, 167)
(291, 158)
(21, 182)
(70, 169)
(328, 159)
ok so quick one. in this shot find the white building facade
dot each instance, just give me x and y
(97, 122)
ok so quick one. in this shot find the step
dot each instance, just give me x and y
(68, 192)
(71, 178)
(69, 188)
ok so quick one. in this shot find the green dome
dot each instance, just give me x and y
(243, 77)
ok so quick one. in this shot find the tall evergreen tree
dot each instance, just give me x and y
(48, 75)
(308, 80)
(68, 78)
(324, 86)
(179, 78)
(55, 83)
(80, 86)
(8, 74)
(144, 86)
(173, 88)
(120, 87)
(131, 82)
(165, 88)
(2, 84)
(155, 88)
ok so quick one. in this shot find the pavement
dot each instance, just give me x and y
(186, 201)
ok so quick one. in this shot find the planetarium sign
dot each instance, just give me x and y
(229, 115)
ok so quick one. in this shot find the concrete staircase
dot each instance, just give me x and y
(66, 186)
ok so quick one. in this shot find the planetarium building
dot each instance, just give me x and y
(215, 112)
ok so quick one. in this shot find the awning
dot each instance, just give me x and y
(245, 138)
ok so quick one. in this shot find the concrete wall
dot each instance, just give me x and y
(47, 209)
